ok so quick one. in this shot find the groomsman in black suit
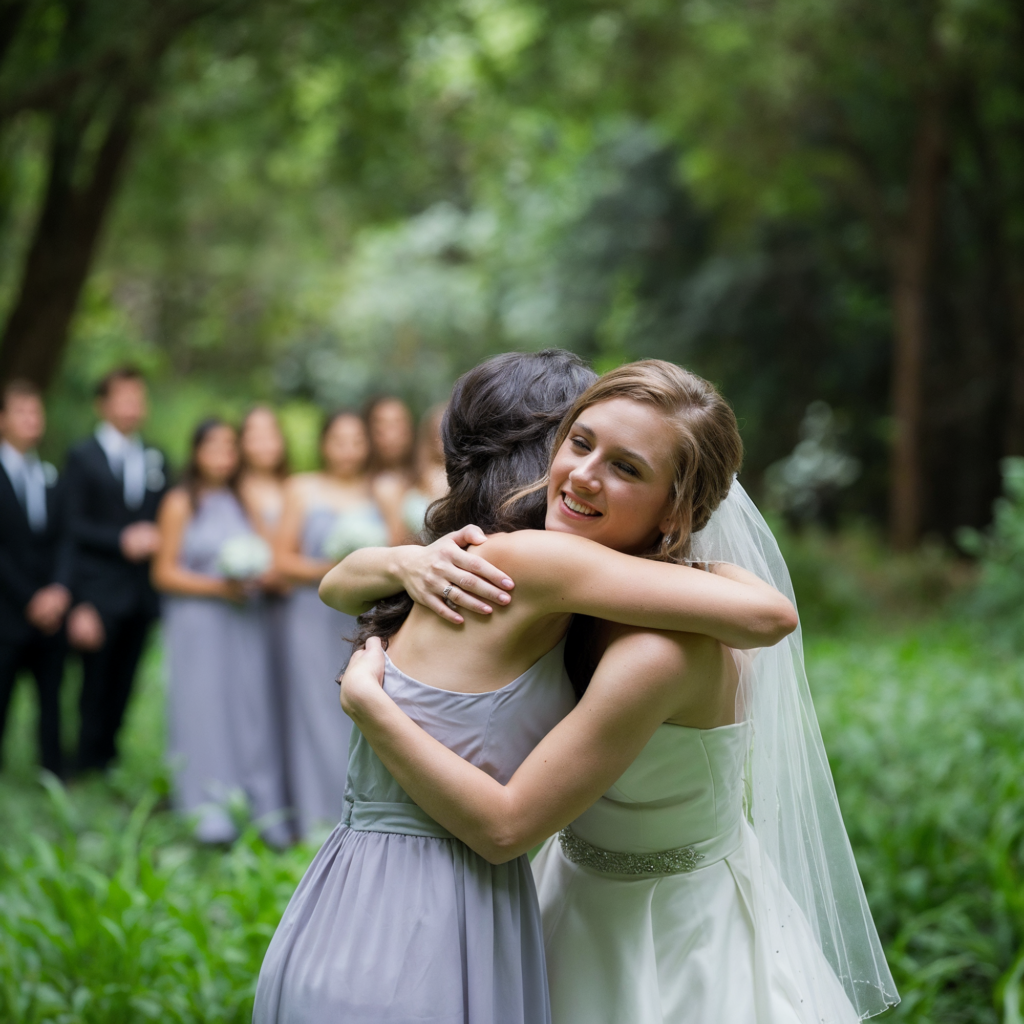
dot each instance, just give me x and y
(35, 565)
(114, 485)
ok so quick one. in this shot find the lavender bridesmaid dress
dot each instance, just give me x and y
(222, 712)
(317, 730)
(398, 922)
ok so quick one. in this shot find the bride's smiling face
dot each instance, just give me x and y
(611, 480)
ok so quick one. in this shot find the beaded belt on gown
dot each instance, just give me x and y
(676, 861)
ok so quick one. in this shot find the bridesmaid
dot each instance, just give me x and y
(320, 509)
(392, 463)
(264, 468)
(431, 480)
(261, 488)
(392, 439)
(222, 735)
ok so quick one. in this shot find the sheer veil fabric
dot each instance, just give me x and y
(791, 804)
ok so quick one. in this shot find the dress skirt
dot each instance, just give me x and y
(679, 949)
(224, 736)
(388, 928)
(317, 730)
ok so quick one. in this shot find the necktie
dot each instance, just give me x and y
(127, 460)
(134, 473)
(35, 493)
(29, 481)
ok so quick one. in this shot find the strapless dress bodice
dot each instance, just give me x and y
(684, 788)
(321, 520)
(218, 518)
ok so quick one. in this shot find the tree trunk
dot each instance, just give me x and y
(910, 251)
(1013, 441)
(65, 240)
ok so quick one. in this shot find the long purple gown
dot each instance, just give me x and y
(398, 922)
(222, 709)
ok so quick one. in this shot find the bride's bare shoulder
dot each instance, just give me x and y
(529, 549)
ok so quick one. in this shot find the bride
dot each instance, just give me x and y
(397, 920)
(701, 871)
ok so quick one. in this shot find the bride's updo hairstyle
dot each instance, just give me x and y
(709, 450)
(497, 435)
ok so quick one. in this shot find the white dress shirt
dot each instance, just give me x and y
(29, 481)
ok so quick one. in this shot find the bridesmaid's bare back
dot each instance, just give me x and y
(486, 652)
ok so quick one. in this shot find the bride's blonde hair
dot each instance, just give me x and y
(708, 451)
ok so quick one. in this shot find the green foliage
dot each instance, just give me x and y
(328, 198)
(109, 912)
(999, 599)
(843, 579)
(923, 732)
(128, 926)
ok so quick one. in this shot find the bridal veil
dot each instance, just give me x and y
(791, 801)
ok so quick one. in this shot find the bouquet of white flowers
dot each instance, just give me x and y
(358, 528)
(244, 557)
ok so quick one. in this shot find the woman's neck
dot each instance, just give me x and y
(261, 476)
(345, 479)
(205, 487)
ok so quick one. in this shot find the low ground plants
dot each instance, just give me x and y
(109, 913)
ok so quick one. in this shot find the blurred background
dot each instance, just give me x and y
(818, 204)
(306, 201)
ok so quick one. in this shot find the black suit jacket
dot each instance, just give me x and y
(96, 515)
(30, 560)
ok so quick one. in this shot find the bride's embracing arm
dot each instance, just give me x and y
(643, 679)
(365, 576)
(561, 573)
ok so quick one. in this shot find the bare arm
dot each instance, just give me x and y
(367, 575)
(571, 574)
(634, 690)
(564, 573)
(289, 560)
(168, 576)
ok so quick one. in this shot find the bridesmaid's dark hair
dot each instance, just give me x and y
(192, 478)
(497, 433)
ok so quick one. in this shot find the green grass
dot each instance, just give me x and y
(924, 731)
(109, 913)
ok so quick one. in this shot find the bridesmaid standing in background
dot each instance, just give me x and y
(392, 462)
(222, 731)
(431, 481)
(261, 487)
(264, 468)
(325, 516)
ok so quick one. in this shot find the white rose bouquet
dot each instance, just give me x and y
(353, 530)
(244, 557)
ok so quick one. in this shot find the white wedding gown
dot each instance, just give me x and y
(635, 936)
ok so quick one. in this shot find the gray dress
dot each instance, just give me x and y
(276, 616)
(317, 730)
(222, 717)
(398, 922)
